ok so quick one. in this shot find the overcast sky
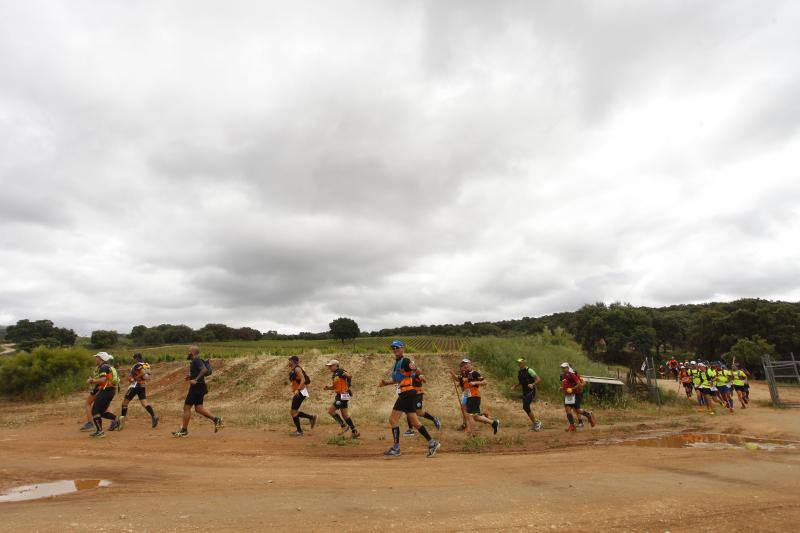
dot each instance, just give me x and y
(279, 165)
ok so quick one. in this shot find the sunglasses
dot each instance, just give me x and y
(397, 347)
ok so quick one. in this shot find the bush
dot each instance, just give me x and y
(104, 339)
(45, 372)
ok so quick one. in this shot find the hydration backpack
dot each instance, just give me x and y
(306, 379)
(207, 364)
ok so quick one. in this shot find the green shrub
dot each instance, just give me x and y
(45, 372)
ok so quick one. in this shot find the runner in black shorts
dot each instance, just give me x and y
(470, 380)
(402, 376)
(418, 380)
(528, 381)
(104, 390)
(138, 376)
(297, 378)
(341, 385)
(197, 392)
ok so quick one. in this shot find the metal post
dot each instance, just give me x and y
(796, 370)
(769, 373)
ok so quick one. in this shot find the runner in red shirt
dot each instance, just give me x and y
(572, 386)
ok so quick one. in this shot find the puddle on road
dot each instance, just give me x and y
(711, 441)
(47, 490)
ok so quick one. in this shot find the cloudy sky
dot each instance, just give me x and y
(280, 164)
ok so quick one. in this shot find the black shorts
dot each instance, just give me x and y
(102, 400)
(419, 400)
(741, 387)
(297, 401)
(707, 392)
(196, 394)
(474, 405)
(338, 403)
(406, 402)
(134, 392)
(528, 398)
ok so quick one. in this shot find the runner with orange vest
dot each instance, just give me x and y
(470, 382)
(104, 390)
(686, 380)
(341, 385)
(403, 378)
(418, 381)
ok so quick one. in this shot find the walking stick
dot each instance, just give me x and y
(460, 408)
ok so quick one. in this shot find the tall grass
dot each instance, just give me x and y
(544, 353)
(45, 373)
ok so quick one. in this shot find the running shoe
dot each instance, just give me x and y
(409, 433)
(437, 423)
(495, 425)
(218, 424)
(153, 424)
(120, 423)
(537, 426)
(114, 425)
(313, 421)
(356, 434)
(88, 426)
(433, 447)
(180, 433)
(297, 434)
(592, 419)
(570, 428)
(98, 435)
(392, 452)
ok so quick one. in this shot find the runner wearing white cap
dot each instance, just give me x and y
(341, 380)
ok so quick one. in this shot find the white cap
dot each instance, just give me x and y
(332, 362)
(104, 356)
(692, 362)
(464, 361)
(564, 365)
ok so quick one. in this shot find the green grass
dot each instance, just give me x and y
(544, 353)
(476, 444)
(342, 440)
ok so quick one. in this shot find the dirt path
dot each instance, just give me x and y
(7, 348)
(255, 479)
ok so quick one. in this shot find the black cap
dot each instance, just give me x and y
(137, 356)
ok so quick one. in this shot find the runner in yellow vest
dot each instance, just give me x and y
(740, 385)
(724, 379)
(705, 386)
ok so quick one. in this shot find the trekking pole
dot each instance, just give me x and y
(458, 397)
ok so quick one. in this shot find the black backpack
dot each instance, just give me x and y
(207, 364)
(306, 379)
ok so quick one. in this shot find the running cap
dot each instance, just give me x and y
(398, 344)
(332, 362)
(104, 356)
(465, 361)
(521, 360)
(692, 362)
(701, 364)
(564, 365)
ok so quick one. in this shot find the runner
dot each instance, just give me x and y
(572, 384)
(725, 386)
(686, 380)
(694, 373)
(197, 392)
(341, 385)
(402, 377)
(104, 390)
(418, 380)
(299, 379)
(740, 385)
(672, 364)
(528, 381)
(704, 388)
(713, 378)
(137, 378)
(89, 425)
(470, 382)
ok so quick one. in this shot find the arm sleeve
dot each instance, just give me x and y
(531, 372)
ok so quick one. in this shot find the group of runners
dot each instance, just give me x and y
(407, 378)
(713, 382)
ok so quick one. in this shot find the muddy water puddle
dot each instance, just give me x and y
(48, 490)
(711, 441)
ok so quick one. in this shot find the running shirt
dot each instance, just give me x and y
(471, 390)
(739, 378)
(684, 376)
(340, 382)
(705, 379)
(139, 373)
(296, 378)
(526, 376)
(403, 375)
(571, 380)
(723, 377)
(104, 370)
(695, 374)
(195, 367)
(712, 376)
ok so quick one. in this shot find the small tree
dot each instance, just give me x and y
(103, 338)
(344, 328)
(748, 351)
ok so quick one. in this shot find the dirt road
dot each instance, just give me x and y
(249, 478)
